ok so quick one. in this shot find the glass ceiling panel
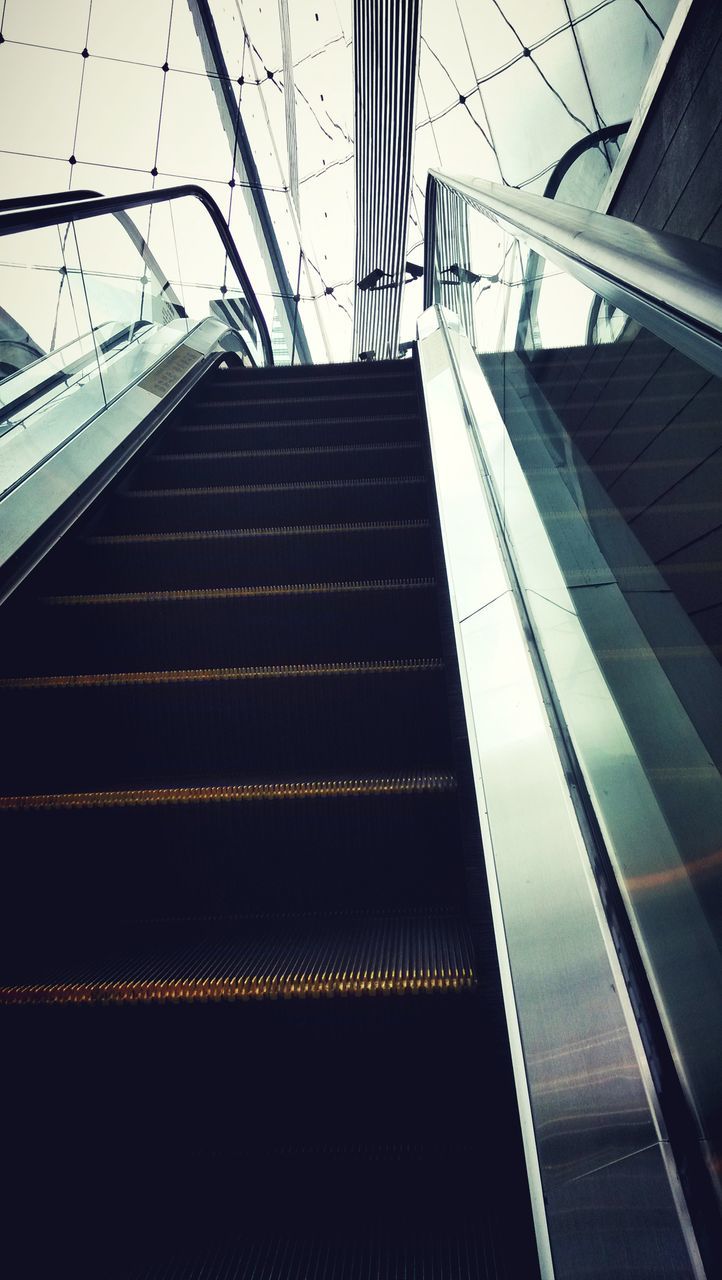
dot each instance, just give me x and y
(629, 46)
(588, 173)
(40, 285)
(20, 174)
(273, 113)
(47, 84)
(63, 25)
(104, 178)
(509, 101)
(119, 114)
(136, 30)
(184, 49)
(531, 23)
(484, 106)
(191, 143)
(244, 234)
(562, 77)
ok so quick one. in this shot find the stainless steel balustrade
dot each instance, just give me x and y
(603, 648)
(671, 285)
(605, 1191)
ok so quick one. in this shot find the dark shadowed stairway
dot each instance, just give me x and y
(255, 1027)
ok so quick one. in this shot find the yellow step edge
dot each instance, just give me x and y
(274, 531)
(284, 423)
(292, 396)
(294, 451)
(233, 792)
(364, 482)
(244, 593)
(208, 675)
(186, 989)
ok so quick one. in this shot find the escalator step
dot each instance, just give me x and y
(114, 730)
(239, 593)
(396, 549)
(468, 1255)
(304, 405)
(209, 535)
(370, 850)
(258, 629)
(251, 466)
(219, 507)
(337, 380)
(315, 451)
(353, 482)
(231, 791)
(380, 422)
(359, 500)
(215, 674)
(260, 959)
(293, 432)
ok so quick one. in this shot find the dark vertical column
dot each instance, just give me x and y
(386, 44)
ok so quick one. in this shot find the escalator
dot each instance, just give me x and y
(253, 1005)
(290, 642)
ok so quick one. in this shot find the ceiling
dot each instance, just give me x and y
(118, 98)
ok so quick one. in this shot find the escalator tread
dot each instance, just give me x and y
(261, 959)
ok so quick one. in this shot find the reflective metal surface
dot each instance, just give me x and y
(609, 1193)
(27, 508)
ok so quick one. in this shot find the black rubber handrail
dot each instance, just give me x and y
(46, 198)
(49, 211)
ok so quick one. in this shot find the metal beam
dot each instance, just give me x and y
(232, 120)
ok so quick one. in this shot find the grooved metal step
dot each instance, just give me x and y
(233, 792)
(282, 531)
(241, 593)
(213, 674)
(261, 959)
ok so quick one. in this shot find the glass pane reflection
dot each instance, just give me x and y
(92, 305)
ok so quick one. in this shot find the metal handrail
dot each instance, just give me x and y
(52, 213)
(668, 283)
(46, 198)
